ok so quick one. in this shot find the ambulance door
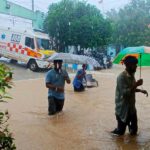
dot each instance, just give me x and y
(15, 47)
(31, 52)
(12, 41)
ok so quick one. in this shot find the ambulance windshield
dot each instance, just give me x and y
(43, 44)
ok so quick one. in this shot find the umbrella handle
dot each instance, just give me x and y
(140, 64)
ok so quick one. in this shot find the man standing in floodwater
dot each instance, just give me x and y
(55, 82)
(126, 88)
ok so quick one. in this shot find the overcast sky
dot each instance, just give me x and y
(103, 5)
(42, 5)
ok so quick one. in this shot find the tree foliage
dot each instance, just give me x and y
(77, 23)
(131, 25)
(6, 140)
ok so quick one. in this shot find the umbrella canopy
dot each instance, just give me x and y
(90, 61)
(141, 52)
(74, 59)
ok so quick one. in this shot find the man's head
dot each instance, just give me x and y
(58, 63)
(84, 66)
(130, 63)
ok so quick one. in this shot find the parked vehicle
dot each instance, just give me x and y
(28, 46)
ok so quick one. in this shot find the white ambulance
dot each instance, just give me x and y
(28, 46)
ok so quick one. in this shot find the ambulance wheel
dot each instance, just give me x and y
(32, 65)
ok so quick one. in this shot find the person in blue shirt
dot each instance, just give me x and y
(55, 82)
(78, 80)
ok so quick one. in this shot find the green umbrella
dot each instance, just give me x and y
(141, 52)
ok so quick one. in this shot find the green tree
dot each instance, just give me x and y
(77, 23)
(6, 140)
(131, 24)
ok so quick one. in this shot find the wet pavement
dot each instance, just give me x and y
(85, 122)
(21, 72)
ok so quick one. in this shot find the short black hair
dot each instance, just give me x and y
(58, 61)
(130, 60)
(84, 65)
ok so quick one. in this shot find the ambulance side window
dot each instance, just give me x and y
(29, 42)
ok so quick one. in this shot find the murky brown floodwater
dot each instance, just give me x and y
(85, 122)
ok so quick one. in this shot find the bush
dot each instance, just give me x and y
(6, 139)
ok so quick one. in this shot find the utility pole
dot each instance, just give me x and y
(33, 5)
(33, 12)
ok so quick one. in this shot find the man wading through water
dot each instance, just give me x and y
(78, 80)
(125, 109)
(55, 82)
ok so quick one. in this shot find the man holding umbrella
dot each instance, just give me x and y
(78, 80)
(126, 88)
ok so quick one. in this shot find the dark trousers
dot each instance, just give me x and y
(80, 89)
(55, 105)
(131, 123)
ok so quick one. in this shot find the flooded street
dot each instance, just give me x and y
(85, 122)
(99, 35)
(21, 72)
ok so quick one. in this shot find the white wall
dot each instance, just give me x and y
(12, 21)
